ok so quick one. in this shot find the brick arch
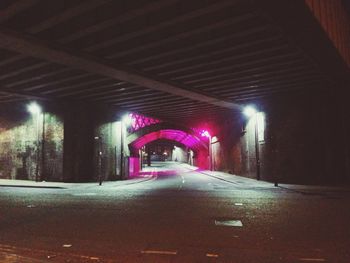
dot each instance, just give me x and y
(177, 133)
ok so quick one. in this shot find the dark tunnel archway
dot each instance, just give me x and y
(183, 136)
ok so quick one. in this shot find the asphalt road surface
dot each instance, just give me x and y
(180, 215)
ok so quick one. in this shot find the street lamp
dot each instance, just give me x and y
(35, 110)
(98, 139)
(205, 133)
(126, 120)
(251, 112)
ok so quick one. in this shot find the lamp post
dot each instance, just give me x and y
(251, 112)
(35, 110)
(98, 139)
(205, 133)
(125, 122)
(257, 149)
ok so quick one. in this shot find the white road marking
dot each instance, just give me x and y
(67, 245)
(211, 255)
(229, 223)
(160, 252)
(313, 259)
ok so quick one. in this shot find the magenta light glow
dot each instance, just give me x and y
(139, 121)
(173, 135)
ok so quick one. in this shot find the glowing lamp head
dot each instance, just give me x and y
(127, 119)
(249, 111)
(34, 108)
(205, 133)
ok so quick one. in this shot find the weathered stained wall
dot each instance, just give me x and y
(31, 146)
(92, 145)
(306, 141)
(109, 143)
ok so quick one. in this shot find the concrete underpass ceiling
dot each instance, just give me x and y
(172, 59)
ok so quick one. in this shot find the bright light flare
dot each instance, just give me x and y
(205, 133)
(34, 108)
(127, 119)
(249, 111)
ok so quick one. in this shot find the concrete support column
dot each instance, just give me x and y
(78, 145)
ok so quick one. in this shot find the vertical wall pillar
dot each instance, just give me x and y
(78, 143)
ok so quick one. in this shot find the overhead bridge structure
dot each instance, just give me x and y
(190, 64)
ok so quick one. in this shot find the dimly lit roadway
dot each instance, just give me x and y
(173, 217)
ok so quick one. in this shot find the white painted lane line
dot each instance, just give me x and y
(229, 223)
(312, 259)
(211, 255)
(67, 245)
(160, 252)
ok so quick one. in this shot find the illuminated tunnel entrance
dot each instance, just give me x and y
(165, 132)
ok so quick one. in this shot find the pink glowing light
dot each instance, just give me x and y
(205, 133)
(139, 121)
(173, 135)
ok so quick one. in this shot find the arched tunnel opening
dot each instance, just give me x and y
(167, 145)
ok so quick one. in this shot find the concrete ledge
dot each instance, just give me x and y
(249, 182)
(59, 185)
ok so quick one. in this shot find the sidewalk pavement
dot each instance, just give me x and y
(246, 182)
(61, 185)
(239, 181)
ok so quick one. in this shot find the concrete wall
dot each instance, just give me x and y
(111, 135)
(31, 145)
(71, 142)
(93, 144)
(305, 141)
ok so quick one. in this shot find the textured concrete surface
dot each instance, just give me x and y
(176, 216)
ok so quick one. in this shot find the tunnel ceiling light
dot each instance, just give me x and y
(34, 108)
(249, 111)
